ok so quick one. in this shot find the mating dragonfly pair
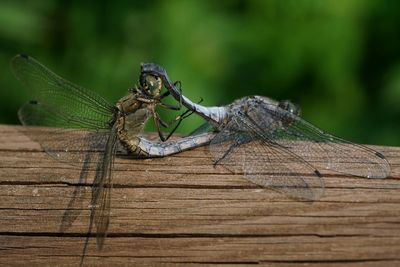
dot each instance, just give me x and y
(263, 139)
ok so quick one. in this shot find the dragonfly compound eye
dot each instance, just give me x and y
(152, 85)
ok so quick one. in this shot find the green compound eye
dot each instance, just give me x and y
(153, 85)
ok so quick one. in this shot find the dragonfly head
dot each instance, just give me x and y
(152, 85)
(290, 107)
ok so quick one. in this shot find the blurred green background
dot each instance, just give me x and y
(338, 59)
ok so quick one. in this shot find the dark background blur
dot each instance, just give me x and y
(339, 60)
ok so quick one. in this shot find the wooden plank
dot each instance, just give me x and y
(181, 210)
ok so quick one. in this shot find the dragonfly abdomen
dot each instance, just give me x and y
(145, 148)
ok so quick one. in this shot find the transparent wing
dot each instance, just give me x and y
(102, 214)
(85, 115)
(66, 145)
(323, 150)
(101, 191)
(204, 128)
(239, 149)
(86, 118)
(61, 95)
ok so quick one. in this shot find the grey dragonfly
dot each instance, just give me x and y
(272, 146)
(80, 127)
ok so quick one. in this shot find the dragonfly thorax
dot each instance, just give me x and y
(129, 103)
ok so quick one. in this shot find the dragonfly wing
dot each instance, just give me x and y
(61, 95)
(66, 145)
(101, 191)
(85, 115)
(325, 151)
(264, 163)
(204, 128)
(85, 119)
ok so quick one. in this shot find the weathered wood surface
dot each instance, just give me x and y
(181, 210)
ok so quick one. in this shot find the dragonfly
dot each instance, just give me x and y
(78, 126)
(272, 146)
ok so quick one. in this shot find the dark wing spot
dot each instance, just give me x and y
(33, 102)
(318, 173)
(24, 56)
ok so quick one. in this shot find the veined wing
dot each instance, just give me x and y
(87, 118)
(101, 190)
(204, 128)
(85, 115)
(239, 148)
(61, 95)
(286, 130)
(67, 145)
(101, 194)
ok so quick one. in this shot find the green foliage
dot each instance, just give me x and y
(339, 60)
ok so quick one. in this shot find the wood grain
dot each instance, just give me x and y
(180, 210)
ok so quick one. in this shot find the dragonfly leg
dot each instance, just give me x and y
(178, 119)
(164, 95)
(158, 121)
(177, 84)
(167, 106)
